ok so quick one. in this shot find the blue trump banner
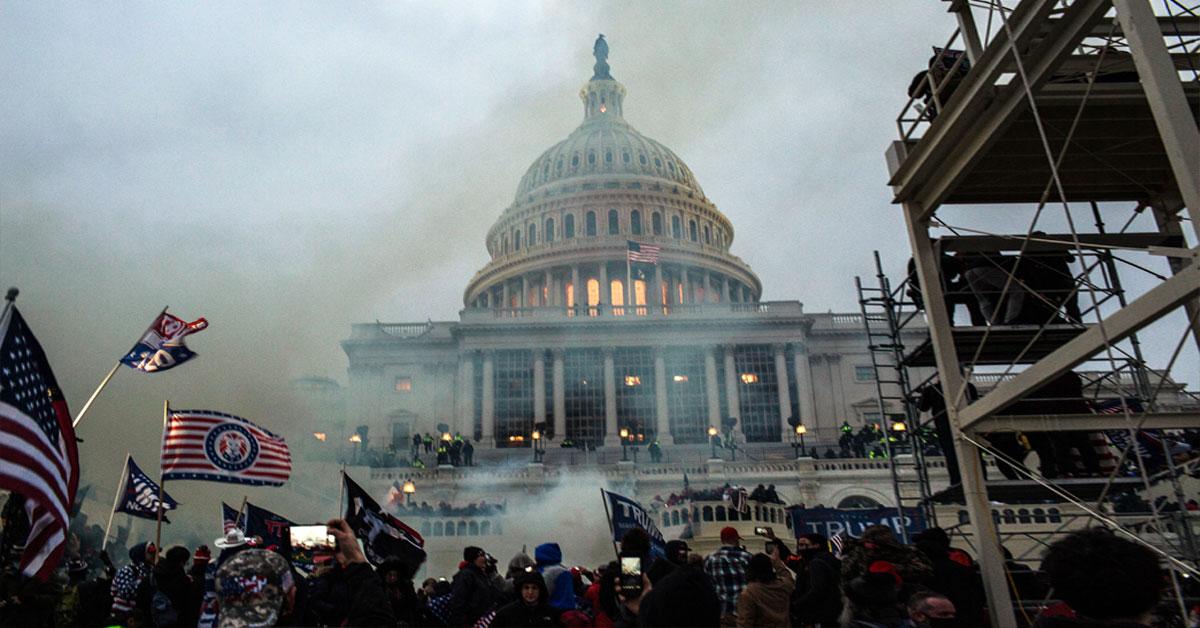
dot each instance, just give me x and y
(626, 514)
(851, 523)
(139, 496)
(272, 528)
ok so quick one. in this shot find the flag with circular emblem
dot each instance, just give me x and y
(219, 447)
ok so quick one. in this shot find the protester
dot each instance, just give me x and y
(818, 596)
(727, 569)
(171, 605)
(1104, 579)
(472, 592)
(233, 543)
(927, 609)
(532, 607)
(68, 605)
(398, 586)
(558, 581)
(957, 582)
(602, 597)
(685, 596)
(872, 598)
(128, 579)
(764, 600)
(879, 544)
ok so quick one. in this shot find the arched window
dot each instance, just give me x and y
(964, 517)
(666, 519)
(656, 223)
(569, 226)
(708, 513)
(1010, 516)
(532, 235)
(635, 222)
(617, 290)
(506, 245)
(473, 528)
(1039, 515)
(859, 501)
(676, 228)
(548, 234)
(485, 528)
(437, 528)
(517, 240)
(675, 518)
(707, 234)
(758, 512)
(720, 513)
(593, 292)
(589, 224)
(1023, 516)
(692, 230)
(449, 528)
(614, 224)
(425, 530)
(1054, 515)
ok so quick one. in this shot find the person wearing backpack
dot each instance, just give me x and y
(169, 603)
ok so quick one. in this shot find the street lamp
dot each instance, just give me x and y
(446, 437)
(801, 430)
(408, 489)
(537, 441)
(624, 444)
(712, 439)
(899, 426)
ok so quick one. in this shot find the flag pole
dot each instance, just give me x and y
(9, 301)
(237, 523)
(107, 378)
(608, 516)
(630, 297)
(161, 482)
(116, 498)
(341, 492)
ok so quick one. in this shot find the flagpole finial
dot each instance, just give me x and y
(11, 295)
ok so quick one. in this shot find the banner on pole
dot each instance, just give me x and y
(832, 522)
(628, 514)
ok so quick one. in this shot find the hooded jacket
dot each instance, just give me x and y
(520, 613)
(766, 603)
(560, 584)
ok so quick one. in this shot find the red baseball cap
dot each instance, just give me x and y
(729, 534)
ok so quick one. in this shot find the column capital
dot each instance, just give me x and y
(488, 353)
(558, 352)
(800, 348)
(779, 347)
(608, 352)
(728, 347)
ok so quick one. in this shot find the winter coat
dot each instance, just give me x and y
(559, 581)
(684, 597)
(818, 595)
(767, 603)
(471, 596)
(520, 614)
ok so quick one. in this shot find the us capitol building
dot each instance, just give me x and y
(559, 329)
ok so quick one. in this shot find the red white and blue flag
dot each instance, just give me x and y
(218, 447)
(38, 455)
(162, 346)
(639, 253)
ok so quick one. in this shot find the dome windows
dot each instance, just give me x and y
(625, 157)
(656, 224)
(692, 230)
(517, 240)
(532, 235)
(614, 224)
(590, 224)
(635, 222)
(657, 162)
(642, 158)
(676, 227)
(608, 157)
(591, 159)
(671, 166)
(707, 234)
(548, 234)
(560, 165)
(569, 226)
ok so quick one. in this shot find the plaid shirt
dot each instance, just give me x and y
(727, 568)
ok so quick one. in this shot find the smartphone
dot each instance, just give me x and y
(768, 547)
(764, 531)
(631, 576)
(312, 538)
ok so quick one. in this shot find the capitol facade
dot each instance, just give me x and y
(560, 331)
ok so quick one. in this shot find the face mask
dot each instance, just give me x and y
(809, 552)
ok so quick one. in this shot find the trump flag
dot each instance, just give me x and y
(139, 497)
(162, 346)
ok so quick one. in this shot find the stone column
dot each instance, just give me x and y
(610, 400)
(466, 389)
(785, 398)
(504, 305)
(539, 385)
(725, 289)
(804, 386)
(605, 298)
(707, 288)
(711, 387)
(662, 417)
(547, 292)
(575, 284)
(489, 398)
(687, 286)
(560, 395)
(732, 402)
(524, 302)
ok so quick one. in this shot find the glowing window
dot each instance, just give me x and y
(593, 292)
(749, 378)
(618, 292)
(639, 292)
(403, 384)
(570, 295)
(633, 380)
(680, 378)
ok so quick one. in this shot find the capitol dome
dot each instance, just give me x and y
(586, 201)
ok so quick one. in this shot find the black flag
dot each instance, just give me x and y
(383, 535)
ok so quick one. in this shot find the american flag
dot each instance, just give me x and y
(218, 447)
(38, 455)
(643, 253)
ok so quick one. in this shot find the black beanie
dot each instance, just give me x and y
(470, 553)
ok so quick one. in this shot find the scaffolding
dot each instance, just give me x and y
(1053, 105)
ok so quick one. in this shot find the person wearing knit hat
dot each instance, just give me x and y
(727, 569)
(473, 593)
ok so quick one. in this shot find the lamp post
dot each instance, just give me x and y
(712, 439)
(355, 438)
(536, 443)
(801, 430)
(624, 444)
(408, 489)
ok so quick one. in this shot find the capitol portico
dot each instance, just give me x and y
(561, 331)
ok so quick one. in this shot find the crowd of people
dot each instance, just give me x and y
(1092, 577)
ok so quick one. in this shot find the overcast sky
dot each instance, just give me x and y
(288, 169)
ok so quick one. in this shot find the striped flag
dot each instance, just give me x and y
(218, 447)
(38, 455)
(836, 544)
(643, 253)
